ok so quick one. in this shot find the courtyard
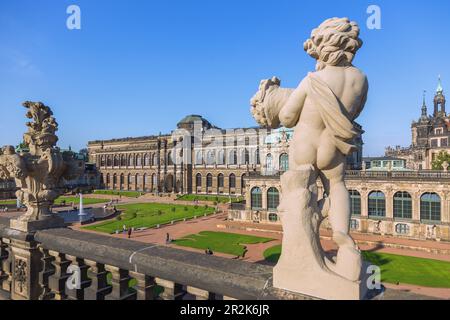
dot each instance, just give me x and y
(412, 270)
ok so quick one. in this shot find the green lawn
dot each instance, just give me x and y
(411, 270)
(212, 198)
(396, 268)
(147, 215)
(230, 243)
(130, 194)
(8, 202)
(69, 200)
(76, 200)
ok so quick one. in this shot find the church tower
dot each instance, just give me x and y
(439, 101)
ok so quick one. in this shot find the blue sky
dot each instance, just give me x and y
(138, 66)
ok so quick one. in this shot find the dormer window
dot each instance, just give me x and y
(438, 131)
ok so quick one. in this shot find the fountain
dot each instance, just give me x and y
(81, 211)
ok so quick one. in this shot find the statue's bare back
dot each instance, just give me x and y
(350, 86)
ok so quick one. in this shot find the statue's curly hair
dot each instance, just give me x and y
(334, 42)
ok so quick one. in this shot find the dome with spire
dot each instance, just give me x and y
(439, 88)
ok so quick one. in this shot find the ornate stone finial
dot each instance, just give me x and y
(41, 131)
(39, 171)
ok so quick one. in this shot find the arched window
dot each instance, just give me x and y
(256, 199)
(209, 179)
(269, 162)
(116, 161)
(273, 199)
(210, 158)
(220, 180)
(131, 161)
(232, 157)
(154, 182)
(232, 181)
(155, 159)
(145, 182)
(102, 161)
(147, 160)
(402, 205)
(114, 181)
(138, 181)
(430, 207)
(284, 162)
(108, 161)
(377, 204)
(355, 202)
(199, 158)
(122, 180)
(138, 161)
(246, 157)
(198, 180)
(123, 161)
(107, 180)
(242, 182)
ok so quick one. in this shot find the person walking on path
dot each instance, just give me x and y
(130, 230)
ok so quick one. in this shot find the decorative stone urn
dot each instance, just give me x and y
(39, 173)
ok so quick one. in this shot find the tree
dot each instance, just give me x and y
(438, 162)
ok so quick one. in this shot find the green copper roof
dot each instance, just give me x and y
(439, 88)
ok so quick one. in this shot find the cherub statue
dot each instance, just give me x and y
(322, 109)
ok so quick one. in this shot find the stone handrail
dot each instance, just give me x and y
(42, 273)
(423, 175)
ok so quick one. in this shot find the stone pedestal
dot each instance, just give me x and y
(51, 222)
(303, 267)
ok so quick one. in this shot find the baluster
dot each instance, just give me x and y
(99, 287)
(5, 265)
(57, 281)
(172, 290)
(200, 294)
(145, 286)
(119, 282)
(78, 293)
(47, 270)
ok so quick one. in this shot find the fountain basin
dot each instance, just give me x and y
(89, 215)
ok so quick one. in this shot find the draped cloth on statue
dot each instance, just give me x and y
(342, 130)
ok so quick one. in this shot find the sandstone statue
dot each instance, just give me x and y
(322, 110)
(39, 174)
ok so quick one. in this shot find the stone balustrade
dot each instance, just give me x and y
(39, 265)
(36, 267)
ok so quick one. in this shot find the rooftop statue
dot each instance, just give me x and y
(38, 173)
(322, 111)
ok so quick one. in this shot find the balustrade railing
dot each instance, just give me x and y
(64, 264)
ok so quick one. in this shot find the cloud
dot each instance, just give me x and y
(18, 63)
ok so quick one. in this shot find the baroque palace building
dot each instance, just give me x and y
(197, 157)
